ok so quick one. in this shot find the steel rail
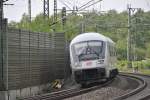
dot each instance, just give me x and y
(134, 91)
(66, 93)
(147, 97)
(77, 91)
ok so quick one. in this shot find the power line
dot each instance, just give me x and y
(86, 6)
(68, 2)
(81, 23)
(65, 4)
(55, 21)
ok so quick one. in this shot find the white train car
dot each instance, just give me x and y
(93, 58)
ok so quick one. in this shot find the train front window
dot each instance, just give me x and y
(89, 50)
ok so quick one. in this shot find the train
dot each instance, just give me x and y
(92, 57)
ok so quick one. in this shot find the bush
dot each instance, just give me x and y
(137, 64)
(122, 65)
(146, 63)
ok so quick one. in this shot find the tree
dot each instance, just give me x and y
(111, 24)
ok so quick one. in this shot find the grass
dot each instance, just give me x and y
(143, 67)
(130, 70)
(145, 71)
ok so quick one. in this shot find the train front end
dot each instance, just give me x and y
(88, 59)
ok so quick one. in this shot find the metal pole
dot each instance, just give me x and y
(55, 10)
(82, 27)
(1, 13)
(1, 38)
(46, 9)
(129, 47)
(29, 10)
(96, 28)
(129, 37)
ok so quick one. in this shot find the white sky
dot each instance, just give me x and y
(21, 6)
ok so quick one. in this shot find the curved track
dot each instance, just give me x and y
(141, 94)
(139, 86)
(66, 93)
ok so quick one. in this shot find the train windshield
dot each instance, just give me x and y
(89, 50)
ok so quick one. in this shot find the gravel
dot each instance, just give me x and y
(120, 86)
(106, 93)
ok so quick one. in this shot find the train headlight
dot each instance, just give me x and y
(100, 62)
(77, 64)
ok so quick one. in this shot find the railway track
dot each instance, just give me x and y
(145, 98)
(143, 94)
(66, 93)
(142, 85)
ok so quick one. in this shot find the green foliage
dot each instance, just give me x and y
(111, 24)
(146, 64)
(143, 66)
(147, 54)
(122, 65)
(121, 49)
(140, 52)
(137, 64)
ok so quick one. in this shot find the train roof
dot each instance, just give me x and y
(90, 36)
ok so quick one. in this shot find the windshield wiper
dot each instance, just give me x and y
(91, 50)
(94, 52)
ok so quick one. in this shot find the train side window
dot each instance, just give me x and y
(111, 50)
(108, 49)
(115, 54)
(111, 53)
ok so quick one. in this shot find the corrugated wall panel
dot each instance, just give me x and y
(3, 58)
(58, 42)
(33, 58)
(1, 71)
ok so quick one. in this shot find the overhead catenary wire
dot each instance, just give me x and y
(85, 4)
(77, 2)
(89, 5)
(77, 11)
(68, 1)
(65, 4)
(82, 22)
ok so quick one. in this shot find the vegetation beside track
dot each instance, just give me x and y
(142, 67)
(112, 24)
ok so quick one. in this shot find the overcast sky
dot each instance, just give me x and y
(21, 6)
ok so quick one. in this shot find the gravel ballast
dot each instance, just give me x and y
(106, 93)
